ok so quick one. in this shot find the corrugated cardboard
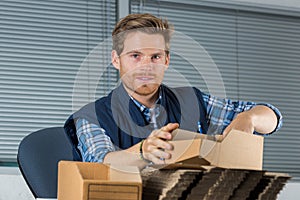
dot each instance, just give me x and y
(84, 181)
(238, 150)
(211, 183)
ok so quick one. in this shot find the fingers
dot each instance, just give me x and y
(241, 123)
(165, 131)
(156, 160)
(164, 135)
(170, 127)
(155, 145)
(156, 153)
(227, 130)
(158, 142)
(158, 156)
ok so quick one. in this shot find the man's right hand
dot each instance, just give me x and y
(154, 146)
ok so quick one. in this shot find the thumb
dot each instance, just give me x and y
(226, 131)
(170, 127)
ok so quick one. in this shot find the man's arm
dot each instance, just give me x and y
(152, 149)
(261, 119)
(130, 156)
(96, 146)
(224, 115)
(93, 143)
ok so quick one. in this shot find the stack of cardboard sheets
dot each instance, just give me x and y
(211, 183)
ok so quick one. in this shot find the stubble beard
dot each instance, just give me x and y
(148, 89)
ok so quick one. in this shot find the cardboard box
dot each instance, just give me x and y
(84, 181)
(238, 150)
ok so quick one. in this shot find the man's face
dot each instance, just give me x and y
(142, 62)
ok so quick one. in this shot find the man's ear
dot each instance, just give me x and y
(167, 61)
(115, 60)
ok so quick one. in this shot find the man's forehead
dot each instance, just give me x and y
(145, 50)
(143, 41)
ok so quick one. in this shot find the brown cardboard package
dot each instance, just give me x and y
(84, 181)
(238, 150)
(201, 167)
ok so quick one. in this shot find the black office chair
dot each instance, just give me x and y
(38, 156)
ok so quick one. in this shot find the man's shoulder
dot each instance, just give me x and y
(101, 101)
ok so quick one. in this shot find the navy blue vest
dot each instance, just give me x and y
(124, 123)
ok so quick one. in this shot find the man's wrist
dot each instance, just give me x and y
(141, 152)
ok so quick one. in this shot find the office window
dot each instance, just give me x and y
(257, 54)
(43, 44)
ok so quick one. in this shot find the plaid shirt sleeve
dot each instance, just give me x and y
(93, 143)
(220, 112)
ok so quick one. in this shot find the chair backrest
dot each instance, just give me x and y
(38, 157)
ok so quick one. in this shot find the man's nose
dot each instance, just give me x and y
(146, 60)
(146, 64)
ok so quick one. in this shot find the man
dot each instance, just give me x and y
(133, 124)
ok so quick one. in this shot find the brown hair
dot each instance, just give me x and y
(140, 22)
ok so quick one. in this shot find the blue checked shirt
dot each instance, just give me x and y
(94, 144)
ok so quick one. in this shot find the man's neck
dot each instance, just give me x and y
(147, 100)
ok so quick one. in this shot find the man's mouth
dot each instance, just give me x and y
(145, 78)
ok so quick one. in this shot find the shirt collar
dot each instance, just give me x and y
(143, 108)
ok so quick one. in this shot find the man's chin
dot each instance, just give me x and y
(147, 89)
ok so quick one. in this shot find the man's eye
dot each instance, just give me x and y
(156, 57)
(135, 55)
